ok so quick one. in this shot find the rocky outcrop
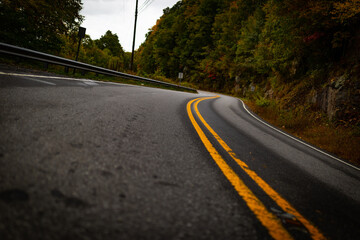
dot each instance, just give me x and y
(340, 99)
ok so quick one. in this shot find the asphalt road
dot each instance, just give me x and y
(81, 159)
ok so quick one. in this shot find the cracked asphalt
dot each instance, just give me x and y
(82, 161)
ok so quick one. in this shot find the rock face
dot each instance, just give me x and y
(340, 99)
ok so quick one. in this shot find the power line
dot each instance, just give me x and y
(145, 5)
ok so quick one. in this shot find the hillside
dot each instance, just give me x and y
(297, 58)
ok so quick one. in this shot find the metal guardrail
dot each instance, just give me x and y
(48, 58)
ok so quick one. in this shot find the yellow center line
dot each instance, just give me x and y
(286, 206)
(267, 219)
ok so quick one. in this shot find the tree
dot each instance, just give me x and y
(256, 41)
(111, 42)
(38, 24)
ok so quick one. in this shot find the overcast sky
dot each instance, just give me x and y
(118, 16)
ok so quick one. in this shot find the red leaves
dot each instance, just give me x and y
(313, 37)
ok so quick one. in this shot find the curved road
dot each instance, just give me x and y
(81, 159)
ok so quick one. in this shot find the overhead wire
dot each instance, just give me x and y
(145, 5)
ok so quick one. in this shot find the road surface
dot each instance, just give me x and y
(81, 159)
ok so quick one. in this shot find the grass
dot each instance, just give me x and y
(313, 127)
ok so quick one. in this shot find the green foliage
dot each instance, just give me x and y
(179, 38)
(262, 102)
(38, 24)
(110, 41)
(217, 41)
(52, 26)
(90, 53)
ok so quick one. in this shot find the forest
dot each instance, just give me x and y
(51, 26)
(218, 43)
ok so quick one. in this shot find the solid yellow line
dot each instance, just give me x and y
(286, 206)
(267, 219)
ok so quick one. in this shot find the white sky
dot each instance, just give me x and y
(118, 16)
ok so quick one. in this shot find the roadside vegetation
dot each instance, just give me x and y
(52, 27)
(313, 127)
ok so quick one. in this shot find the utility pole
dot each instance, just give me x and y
(133, 46)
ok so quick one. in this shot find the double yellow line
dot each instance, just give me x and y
(271, 222)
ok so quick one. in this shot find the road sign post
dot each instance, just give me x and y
(180, 76)
(81, 35)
